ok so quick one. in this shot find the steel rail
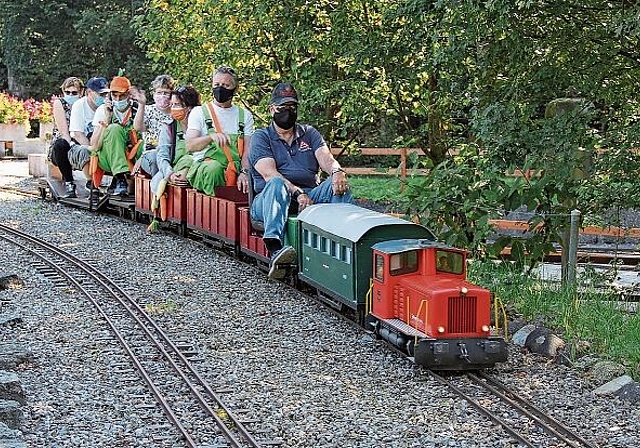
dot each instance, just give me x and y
(506, 426)
(107, 284)
(544, 420)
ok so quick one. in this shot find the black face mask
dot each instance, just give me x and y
(223, 95)
(285, 119)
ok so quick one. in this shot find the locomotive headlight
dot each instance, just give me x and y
(440, 329)
(485, 328)
(464, 290)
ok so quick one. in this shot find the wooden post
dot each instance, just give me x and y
(403, 168)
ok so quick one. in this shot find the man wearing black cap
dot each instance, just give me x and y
(285, 160)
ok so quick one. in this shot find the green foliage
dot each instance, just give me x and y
(45, 42)
(578, 317)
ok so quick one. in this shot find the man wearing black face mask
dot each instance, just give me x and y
(218, 136)
(286, 158)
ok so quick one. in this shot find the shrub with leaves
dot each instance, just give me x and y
(12, 110)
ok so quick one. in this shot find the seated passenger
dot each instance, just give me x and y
(81, 124)
(218, 134)
(61, 141)
(115, 139)
(286, 158)
(155, 119)
(172, 158)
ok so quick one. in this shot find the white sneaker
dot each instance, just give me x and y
(283, 257)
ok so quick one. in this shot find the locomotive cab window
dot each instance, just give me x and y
(404, 263)
(449, 262)
(379, 267)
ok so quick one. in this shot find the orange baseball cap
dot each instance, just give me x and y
(120, 84)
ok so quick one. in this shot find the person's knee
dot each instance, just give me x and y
(277, 186)
(61, 146)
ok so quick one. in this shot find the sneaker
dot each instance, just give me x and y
(112, 186)
(284, 256)
(122, 188)
(69, 190)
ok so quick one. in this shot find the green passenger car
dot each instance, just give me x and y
(334, 247)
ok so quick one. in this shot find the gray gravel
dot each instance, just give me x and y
(312, 380)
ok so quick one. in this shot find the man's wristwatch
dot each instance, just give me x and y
(337, 170)
(244, 171)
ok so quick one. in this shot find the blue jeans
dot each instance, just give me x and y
(271, 205)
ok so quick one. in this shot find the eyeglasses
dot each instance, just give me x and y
(71, 92)
(167, 94)
(282, 107)
(104, 94)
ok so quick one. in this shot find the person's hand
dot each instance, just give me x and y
(108, 104)
(177, 177)
(220, 138)
(138, 95)
(304, 201)
(243, 182)
(339, 183)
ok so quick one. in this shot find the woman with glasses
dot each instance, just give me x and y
(155, 118)
(173, 161)
(72, 89)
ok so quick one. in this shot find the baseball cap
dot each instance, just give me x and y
(120, 84)
(284, 92)
(98, 84)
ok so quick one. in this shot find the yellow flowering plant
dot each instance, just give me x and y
(12, 110)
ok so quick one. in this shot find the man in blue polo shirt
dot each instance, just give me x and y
(286, 158)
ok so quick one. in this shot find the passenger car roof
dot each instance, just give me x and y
(347, 220)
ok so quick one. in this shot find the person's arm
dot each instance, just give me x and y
(331, 166)
(101, 120)
(194, 137)
(77, 127)
(60, 120)
(138, 95)
(266, 167)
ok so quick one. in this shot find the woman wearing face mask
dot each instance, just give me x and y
(155, 118)
(172, 157)
(218, 136)
(72, 89)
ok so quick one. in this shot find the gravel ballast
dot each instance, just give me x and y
(310, 378)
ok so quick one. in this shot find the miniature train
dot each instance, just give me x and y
(387, 273)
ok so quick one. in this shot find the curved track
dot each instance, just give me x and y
(198, 415)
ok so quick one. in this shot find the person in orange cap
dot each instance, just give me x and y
(116, 136)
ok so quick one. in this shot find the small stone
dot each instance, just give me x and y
(613, 386)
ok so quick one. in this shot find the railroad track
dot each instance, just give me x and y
(477, 388)
(20, 191)
(491, 398)
(198, 415)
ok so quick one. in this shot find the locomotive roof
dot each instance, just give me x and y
(347, 220)
(403, 245)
